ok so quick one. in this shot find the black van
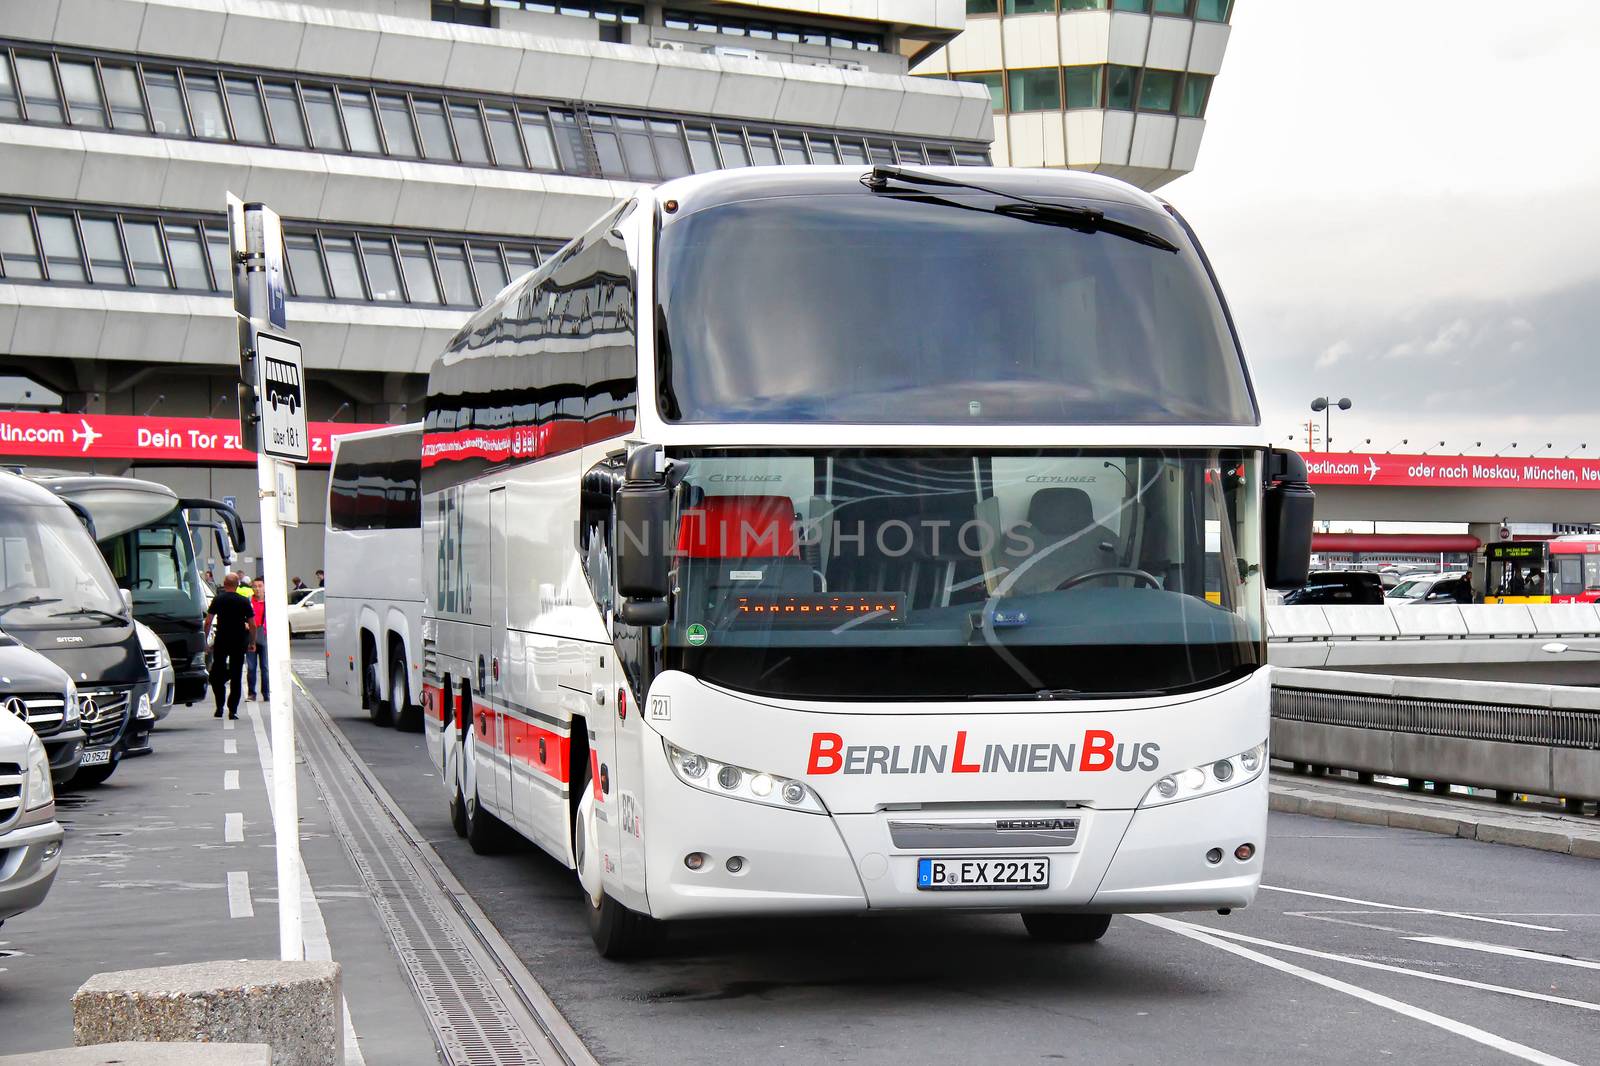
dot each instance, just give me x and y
(59, 598)
(144, 532)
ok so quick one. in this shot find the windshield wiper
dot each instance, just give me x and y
(1023, 208)
(1067, 694)
(93, 612)
(31, 601)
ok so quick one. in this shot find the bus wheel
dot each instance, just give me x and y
(458, 812)
(484, 832)
(1066, 928)
(377, 708)
(618, 932)
(407, 715)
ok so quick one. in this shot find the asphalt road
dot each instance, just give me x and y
(1370, 944)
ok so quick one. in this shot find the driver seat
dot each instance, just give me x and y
(1059, 540)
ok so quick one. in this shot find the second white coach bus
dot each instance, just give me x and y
(372, 557)
(810, 540)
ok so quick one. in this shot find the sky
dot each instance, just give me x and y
(1402, 202)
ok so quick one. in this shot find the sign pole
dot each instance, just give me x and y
(272, 423)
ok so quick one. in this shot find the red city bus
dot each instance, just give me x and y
(1560, 570)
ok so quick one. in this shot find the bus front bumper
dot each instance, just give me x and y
(789, 862)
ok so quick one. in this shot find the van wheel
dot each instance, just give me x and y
(94, 776)
(618, 931)
(377, 709)
(407, 715)
(1066, 928)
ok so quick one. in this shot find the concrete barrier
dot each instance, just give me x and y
(1540, 739)
(293, 1007)
(128, 1053)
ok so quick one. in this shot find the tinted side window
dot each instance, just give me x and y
(376, 483)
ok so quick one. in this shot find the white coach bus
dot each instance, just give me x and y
(807, 540)
(372, 559)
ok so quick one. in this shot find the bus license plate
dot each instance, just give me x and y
(97, 757)
(1026, 872)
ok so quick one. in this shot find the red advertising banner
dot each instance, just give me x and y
(46, 435)
(1451, 471)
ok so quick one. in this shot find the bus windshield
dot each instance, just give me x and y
(1001, 574)
(156, 562)
(864, 308)
(54, 576)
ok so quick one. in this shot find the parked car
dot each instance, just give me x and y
(308, 617)
(30, 836)
(39, 693)
(1337, 587)
(1452, 587)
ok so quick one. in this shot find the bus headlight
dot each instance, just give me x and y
(1208, 778)
(736, 782)
(36, 787)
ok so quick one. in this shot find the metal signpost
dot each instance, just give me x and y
(272, 417)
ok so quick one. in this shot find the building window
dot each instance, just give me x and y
(1157, 88)
(1141, 6)
(1083, 5)
(1120, 83)
(1172, 7)
(996, 86)
(1030, 7)
(1196, 89)
(367, 119)
(737, 26)
(1083, 86)
(1213, 10)
(189, 253)
(1035, 90)
(461, 12)
(982, 7)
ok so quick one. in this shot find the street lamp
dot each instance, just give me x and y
(1583, 447)
(1508, 447)
(1326, 406)
(335, 416)
(1402, 442)
(1430, 448)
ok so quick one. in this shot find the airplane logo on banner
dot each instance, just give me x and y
(87, 434)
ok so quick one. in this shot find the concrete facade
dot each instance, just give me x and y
(418, 165)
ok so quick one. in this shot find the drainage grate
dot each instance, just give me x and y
(478, 1002)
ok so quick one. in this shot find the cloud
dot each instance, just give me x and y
(1333, 353)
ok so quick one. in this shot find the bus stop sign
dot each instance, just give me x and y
(280, 386)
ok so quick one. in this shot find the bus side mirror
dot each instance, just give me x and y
(644, 544)
(1287, 507)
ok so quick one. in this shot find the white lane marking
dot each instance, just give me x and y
(1426, 975)
(230, 780)
(239, 905)
(233, 828)
(313, 930)
(1414, 910)
(1501, 949)
(1449, 1025)
(230, 747)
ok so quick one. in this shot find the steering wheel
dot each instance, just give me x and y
(1142, 576)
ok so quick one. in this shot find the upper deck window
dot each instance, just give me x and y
(898, 309)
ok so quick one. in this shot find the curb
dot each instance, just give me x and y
(1446, 823)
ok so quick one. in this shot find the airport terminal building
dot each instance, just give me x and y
(423, 152)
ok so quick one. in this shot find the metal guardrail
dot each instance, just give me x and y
(1514, 738)
(1440, 718)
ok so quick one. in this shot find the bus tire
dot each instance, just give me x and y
(458, 812)
(1066, 928)
(618, 931)
(407, 715)
(371, 695)
(485, 833)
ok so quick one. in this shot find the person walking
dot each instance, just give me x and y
(230, 613)
(257, 654)
(320, 580)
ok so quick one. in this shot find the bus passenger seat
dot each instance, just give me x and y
(1059, 540)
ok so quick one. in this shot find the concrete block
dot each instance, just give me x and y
(295, 1007)
(1497, 619)
(1290, 621)
(254, 37)
(1565, 619)
(1524, 837)
(33, 22)
(1586, 847)
(1361, 621)
(131, 1053)
(1431, 822)
(1575, 772)
(98, 23)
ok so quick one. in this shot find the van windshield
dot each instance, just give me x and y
(938, 575)
(871, 308)
(157, 564)
(54, 575)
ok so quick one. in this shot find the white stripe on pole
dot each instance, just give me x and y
(286, 802)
